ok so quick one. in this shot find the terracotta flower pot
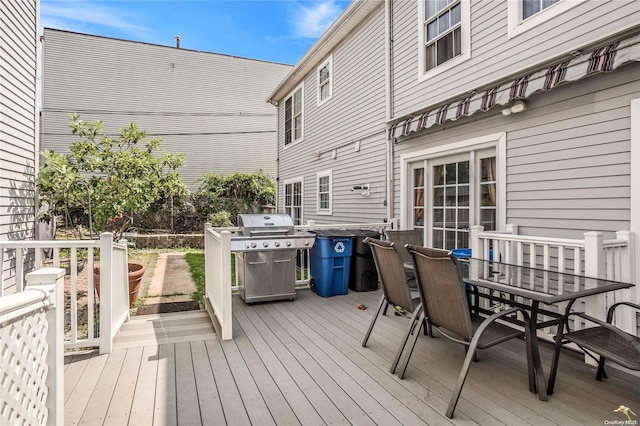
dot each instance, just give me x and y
(136, 271)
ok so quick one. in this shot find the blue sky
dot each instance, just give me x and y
(272, 30)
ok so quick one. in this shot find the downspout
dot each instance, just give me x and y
(277, 203)
(388, 29)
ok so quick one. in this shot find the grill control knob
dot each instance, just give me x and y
(306, 242)
(277, 244)
(288, 243)
(265, 244)
(253, 245)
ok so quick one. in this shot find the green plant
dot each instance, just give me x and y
(195, 260)
(221, 219)
(235, 193)
(118, 177)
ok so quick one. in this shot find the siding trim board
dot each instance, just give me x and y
(604, 59)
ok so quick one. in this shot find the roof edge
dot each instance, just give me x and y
(349, 18)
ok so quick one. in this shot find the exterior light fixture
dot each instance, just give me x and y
(516, 107)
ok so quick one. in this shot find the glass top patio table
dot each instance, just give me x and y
(533, 283)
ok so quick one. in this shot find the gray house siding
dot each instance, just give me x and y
(209, 106)
(355, 113)
(493, 54)
(18, 119)
(567, 157)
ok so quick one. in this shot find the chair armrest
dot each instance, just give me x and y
(615, 306)
(623, 334)
(501, 314)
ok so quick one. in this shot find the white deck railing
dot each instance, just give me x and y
(591, 256)
(218, 277)
(17, 258)
(31, 366)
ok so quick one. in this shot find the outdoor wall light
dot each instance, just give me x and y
(365, 188)
(516, 107)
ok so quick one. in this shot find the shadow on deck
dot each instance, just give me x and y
(302, 362)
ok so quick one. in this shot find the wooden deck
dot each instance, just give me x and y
(302, 362)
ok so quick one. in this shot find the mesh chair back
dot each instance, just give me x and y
(402, 238)
(442, 290)
(391, 273)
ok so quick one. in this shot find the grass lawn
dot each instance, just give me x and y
(195, 260)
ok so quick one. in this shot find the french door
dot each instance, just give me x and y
(449, 194)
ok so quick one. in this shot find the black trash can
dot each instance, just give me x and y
(363, 275)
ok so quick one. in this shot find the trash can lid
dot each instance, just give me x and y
(333, 233)
(364, 233)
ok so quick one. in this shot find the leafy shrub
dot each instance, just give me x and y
(235, 193)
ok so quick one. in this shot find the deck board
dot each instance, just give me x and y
(302, 362)
(144, 396)
(165, 410)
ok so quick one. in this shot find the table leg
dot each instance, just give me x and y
(540, 383)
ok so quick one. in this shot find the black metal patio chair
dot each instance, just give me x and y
(444, 302)
(401, 238)
(395, 290)
(605, 340)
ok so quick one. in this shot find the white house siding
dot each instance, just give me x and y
(494, 55)
(356, 112)
(209, 106)
(568, 155)
(18, 124)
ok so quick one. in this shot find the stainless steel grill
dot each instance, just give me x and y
(266, 247)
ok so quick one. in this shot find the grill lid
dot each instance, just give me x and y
(265, 224)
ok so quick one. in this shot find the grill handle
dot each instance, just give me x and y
(270, 232)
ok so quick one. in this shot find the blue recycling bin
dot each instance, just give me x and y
(331, 261)
(465, 253)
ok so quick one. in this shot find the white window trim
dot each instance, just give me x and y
(329, 61)
(329, 211)
(465, 33)
(290, 182)
(497, 141)
(297, 141)
(517, 26)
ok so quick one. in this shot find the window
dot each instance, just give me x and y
(324, 193)
(325, 81)
(444, 35)
(531, 7)
(293, 119)
(527, 14)
(293, 200)
(451, 188)
(443, 31)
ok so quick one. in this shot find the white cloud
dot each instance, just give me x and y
(310, 20)
(76, 15)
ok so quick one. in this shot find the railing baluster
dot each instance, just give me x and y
(19, 270)
(73, 308)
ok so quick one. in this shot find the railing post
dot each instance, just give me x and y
(208, 273)
(626, 318)
(311, 224)
(225, 268)
(106, 292)
(474, 240)
(51, 281)
(394, 223)
(594, 267)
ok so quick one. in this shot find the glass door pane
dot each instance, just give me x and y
(451, 205)
(488, 200)
(418, 198)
